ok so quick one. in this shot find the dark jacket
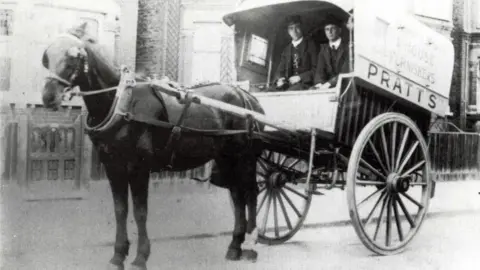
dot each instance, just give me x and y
(326, 71)
(308, 61)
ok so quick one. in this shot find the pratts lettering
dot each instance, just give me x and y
(372, 70)
(385, 78)
(432, 104)
(400, 86)
(420, 92)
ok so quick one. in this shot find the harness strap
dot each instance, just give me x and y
(175, 135)
(185, 130)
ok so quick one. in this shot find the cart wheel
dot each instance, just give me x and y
(389, 198)
(283, 199)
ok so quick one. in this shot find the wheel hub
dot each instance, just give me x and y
(397, 184)
(276, 179)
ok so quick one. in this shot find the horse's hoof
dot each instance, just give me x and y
(233, 254)
(249, 255)
(115, 266)
(138, 267)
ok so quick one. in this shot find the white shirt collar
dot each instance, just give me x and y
(296, 42)
(336, 43)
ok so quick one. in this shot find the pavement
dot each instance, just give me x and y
(190, 224)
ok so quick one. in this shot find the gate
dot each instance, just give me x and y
(54, 146)
(455, 154)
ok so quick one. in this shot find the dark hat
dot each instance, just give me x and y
(294, 19)
(330, 19)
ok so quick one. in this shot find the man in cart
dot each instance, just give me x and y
(297, 65)
(333, 57)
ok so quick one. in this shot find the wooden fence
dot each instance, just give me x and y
(455, 155)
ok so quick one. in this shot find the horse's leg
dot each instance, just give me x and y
(139, 188)
(251, 193)
(252, 231)
(234, 251)
(119, 185)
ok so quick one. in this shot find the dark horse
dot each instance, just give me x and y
(130, 150)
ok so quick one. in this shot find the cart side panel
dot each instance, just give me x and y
(403, 56)
(360, 104)
(302, 109)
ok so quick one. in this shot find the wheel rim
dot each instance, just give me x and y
(388, 204)
(283, 199)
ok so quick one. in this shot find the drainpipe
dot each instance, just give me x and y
(465, 84)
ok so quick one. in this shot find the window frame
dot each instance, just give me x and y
(245, 61)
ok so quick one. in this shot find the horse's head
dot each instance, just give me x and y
(66, 60)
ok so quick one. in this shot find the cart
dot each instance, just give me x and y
(367, 134)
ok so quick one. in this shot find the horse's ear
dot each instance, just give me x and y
(45, 60)
(79, 31)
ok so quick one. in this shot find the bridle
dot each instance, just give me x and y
(71, 89)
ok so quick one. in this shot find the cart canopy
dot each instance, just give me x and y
(393, 51)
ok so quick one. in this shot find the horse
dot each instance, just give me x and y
(130, 149)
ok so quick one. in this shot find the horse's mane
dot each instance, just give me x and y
(203, 84)
(103, 62)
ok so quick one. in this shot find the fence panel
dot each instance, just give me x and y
(455, 155)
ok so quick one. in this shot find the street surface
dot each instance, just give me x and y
(190, 226)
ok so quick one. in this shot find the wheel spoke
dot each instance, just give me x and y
(285, 214)
(290, 203)
(262, 189)
(371, 168)
(370, 183)
(412, 200)
(418, 165)
(275, 215)
(370, 215)
(269, 156)
(296, 192)
(394, 144)
(402, 148)
(408, 155)
(263, 163)
(389, 224)
(281, 159)
(262, 201)
(385, 148)
(377, 155)
(407, 215)
(265, 217)
(397, 218)
(380, 217)
(370, 196)
(295, 162)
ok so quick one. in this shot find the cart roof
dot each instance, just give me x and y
(271, 11)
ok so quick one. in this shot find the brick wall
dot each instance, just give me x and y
(158, 36)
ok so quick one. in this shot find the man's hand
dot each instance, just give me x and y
(322, 86)
(294, 79)
(280, 82)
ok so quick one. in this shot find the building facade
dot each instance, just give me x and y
(185, 40)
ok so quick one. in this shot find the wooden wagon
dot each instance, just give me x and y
(369, 133)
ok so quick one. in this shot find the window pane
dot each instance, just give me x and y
(257, 52)
(6, 22)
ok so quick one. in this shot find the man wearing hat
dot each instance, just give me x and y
(333, 57)
(298, 61)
